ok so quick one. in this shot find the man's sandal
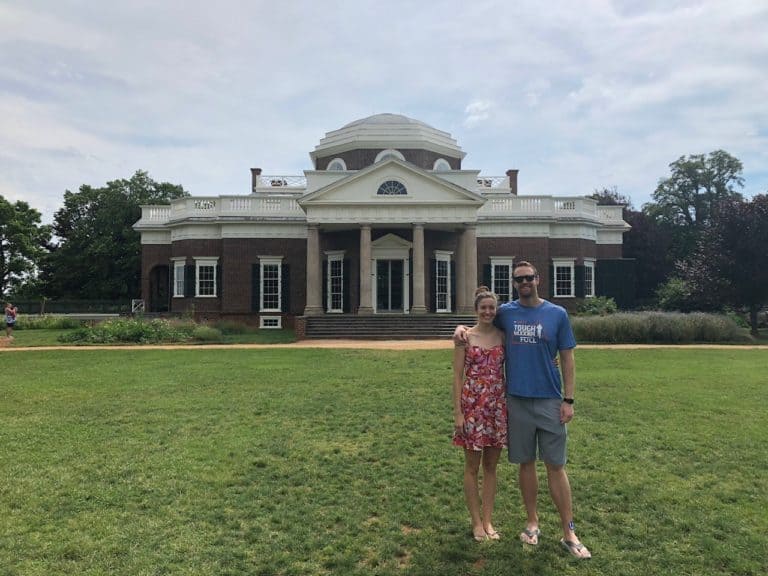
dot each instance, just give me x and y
(576, 549)
(530, 537)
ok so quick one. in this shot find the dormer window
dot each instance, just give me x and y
(389, 153)
(337, 165)
(391, 188)
(441, 165)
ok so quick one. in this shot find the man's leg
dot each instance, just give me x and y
(560, 489)
(529, 489)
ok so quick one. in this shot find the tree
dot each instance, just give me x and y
(647, 242)
(686, 201)
(99, 253)
(22, 243)
(730, 264)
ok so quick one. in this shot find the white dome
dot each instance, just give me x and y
(387, 131)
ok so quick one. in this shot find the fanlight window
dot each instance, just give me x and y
(392, 188)
(336, 165)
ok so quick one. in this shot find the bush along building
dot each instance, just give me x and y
(388, 222)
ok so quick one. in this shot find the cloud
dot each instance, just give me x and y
(476, 112)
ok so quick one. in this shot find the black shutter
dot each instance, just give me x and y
(218, 280)
(487, 277)
(345, 286)
(255, 285)
(324, 292)
(454, 305)
(433, 285)
(551, 282)
(171, 286)
(579, 271)
(189, 280)
(285, 278)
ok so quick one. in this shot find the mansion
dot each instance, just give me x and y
(387, 221)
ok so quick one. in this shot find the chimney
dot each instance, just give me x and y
(255, 173)
(512, 175)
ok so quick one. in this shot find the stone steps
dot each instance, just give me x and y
(384, 327)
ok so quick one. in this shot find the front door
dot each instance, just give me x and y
(389, 285)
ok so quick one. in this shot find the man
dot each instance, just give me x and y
(539, 407)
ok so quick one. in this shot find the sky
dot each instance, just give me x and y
(577, 96)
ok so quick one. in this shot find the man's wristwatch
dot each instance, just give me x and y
(568, 400)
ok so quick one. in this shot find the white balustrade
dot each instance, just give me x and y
(492, 182)
(282, 181)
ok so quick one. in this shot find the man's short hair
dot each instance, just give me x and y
(525, 263)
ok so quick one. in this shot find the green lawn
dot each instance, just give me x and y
(339, 462)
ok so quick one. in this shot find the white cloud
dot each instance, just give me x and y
(575, 95)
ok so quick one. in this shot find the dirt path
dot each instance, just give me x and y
(443, 344)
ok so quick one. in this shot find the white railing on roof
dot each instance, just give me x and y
(610, 213)
(282, 182)
(223, 206)
(548, 206)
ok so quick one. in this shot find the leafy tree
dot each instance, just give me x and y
(23, 243)
(730, 264)
(99, 253)
(647, 242)
(686, 202)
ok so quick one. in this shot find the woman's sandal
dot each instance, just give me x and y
(493, 535)
(530, 537)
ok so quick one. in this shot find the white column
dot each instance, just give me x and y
(418, 270)
(460, 270)
(314, 305)
(470, 268)
(366, 306)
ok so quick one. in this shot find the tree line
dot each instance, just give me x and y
(699, 245)
(90, 252)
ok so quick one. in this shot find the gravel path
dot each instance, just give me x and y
(443, 344)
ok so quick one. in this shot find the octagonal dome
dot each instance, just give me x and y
(382, 131)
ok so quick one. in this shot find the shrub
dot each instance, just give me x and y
(207, 334)
(657, 327)
(47, 322)
(131, 330)
(600, 305)
(674, 294)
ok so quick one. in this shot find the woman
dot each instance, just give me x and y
(479, 410)
(10, 319)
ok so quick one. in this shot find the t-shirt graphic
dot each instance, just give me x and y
(527, 332)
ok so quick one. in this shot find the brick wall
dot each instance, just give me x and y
(359, 159)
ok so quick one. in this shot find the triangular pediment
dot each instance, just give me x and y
(390, 241)
(421, 187)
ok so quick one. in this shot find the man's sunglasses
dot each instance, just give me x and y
(526, 278)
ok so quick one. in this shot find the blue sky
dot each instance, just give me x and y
(576, 95)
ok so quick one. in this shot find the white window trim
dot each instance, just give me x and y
(201, 261)
(589, 264)
(441, 165)
(564, 263)
(334, 256)
(264, 326)
(271, 261)
(389, 151)
(444, 256)
(175, 262)
(334, 161)
(503, 261)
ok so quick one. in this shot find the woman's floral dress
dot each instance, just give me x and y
(482, 399)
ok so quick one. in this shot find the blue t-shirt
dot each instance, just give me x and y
(534, 335)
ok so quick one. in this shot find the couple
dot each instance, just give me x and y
(528, 334)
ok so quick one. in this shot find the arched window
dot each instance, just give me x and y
(337, 165)
(388, 153)
(392, 188)
(441, 165)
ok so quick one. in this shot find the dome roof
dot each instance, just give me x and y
(382, 131)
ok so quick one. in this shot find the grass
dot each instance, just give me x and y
(339, 462)
(50, 337)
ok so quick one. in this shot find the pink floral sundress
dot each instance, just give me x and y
(482, 399)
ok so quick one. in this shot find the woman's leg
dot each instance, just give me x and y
(472, 460)
(490, 460)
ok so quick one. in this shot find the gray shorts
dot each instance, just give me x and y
(532, 423)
